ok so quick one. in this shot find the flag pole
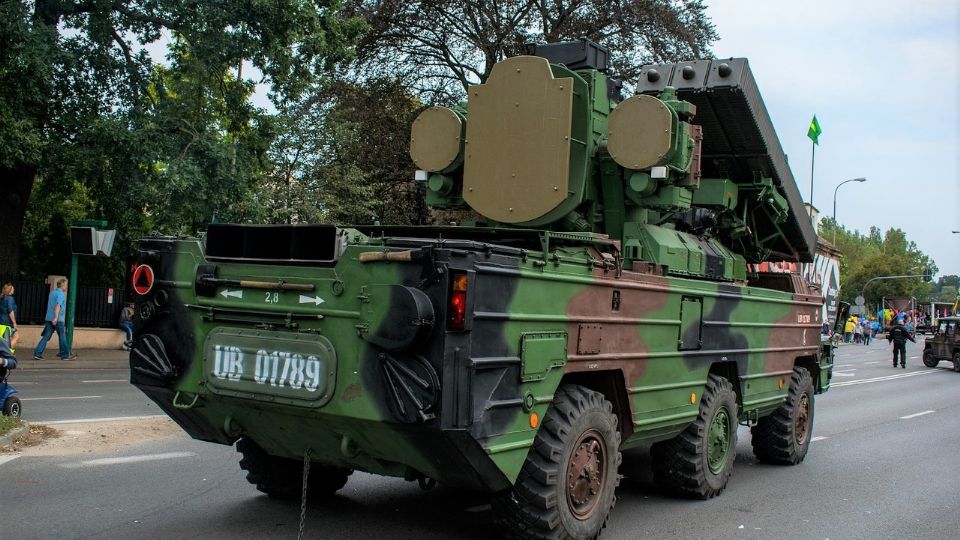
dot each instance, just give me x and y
(813, 157)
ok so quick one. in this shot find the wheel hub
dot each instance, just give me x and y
(802, 424)
(585, 474)
(718, 441)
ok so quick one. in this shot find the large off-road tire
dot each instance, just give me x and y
(697, 463)
(566, 487)
(12, 407)
(282, 478)
(929, 359)
(956, 361)
(783, 438)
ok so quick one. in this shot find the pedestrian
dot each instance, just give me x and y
(899, 336)
(865, 327)
(857, 333)
(53, 321)
(8, 307)
(848, 330)
(126, 324)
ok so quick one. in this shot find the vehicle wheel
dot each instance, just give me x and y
(282, 478)
(956, 361)
(566, 487)
(929, 359)
(783, 438)
(697, 463)
(12, 407)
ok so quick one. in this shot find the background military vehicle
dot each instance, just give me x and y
(944, 344)
(594, 297)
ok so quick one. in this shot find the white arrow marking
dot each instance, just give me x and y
(235, 294)
(316, 300)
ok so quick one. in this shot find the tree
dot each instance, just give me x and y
(67, 69)
(343, 157)
(442, 46)
(878, 254)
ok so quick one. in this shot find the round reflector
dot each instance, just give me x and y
(142, 279)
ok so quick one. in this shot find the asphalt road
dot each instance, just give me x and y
(882, 465)
(55, 395)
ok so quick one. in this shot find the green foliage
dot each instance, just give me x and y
(342, 157)
(441, 46)
(87, 120)
(878, 254)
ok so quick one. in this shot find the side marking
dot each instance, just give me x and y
(9, 458)
(92, 420)
(887, 378)
(127, 459)
(58, 398)
(914, 415)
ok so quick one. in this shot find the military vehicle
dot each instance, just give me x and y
(944, 344)
(592, 296)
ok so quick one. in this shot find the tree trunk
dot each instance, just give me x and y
(17, 184)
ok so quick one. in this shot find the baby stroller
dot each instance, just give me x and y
(8, 397)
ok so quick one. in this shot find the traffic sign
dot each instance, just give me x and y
(859, 300)
(142, 279)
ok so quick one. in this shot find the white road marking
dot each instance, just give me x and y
(873, 362)
(127, 459)
(815, 439)
(887, 378)
(105, 380)
(844, 374)
(91, 420)
(8, 458)
(59, 398)
(914, 357)
(914, 415)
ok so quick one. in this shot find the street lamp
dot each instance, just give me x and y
(835, 204)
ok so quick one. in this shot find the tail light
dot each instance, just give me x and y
(457, 310)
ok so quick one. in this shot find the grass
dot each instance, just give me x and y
(8, 423)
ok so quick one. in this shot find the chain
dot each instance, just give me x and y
(303, 492)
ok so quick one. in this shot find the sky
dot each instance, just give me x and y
(882, 78)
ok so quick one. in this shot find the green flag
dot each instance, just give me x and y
(814, 131)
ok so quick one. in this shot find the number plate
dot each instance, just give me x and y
(279, 367)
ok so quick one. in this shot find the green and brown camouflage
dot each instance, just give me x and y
(606, 270)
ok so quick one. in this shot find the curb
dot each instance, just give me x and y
(7, 438)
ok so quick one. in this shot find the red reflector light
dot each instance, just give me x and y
(457, 310)
(142, 279)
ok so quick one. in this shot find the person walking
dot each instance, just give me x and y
(857, 333)
(8, 308)
(865, 327)
(56, 314)
(899, 336)
(848, 330)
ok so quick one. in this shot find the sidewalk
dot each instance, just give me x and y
(86, 359)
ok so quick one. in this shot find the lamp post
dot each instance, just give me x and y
(835, 204)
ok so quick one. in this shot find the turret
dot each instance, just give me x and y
(546, 143)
